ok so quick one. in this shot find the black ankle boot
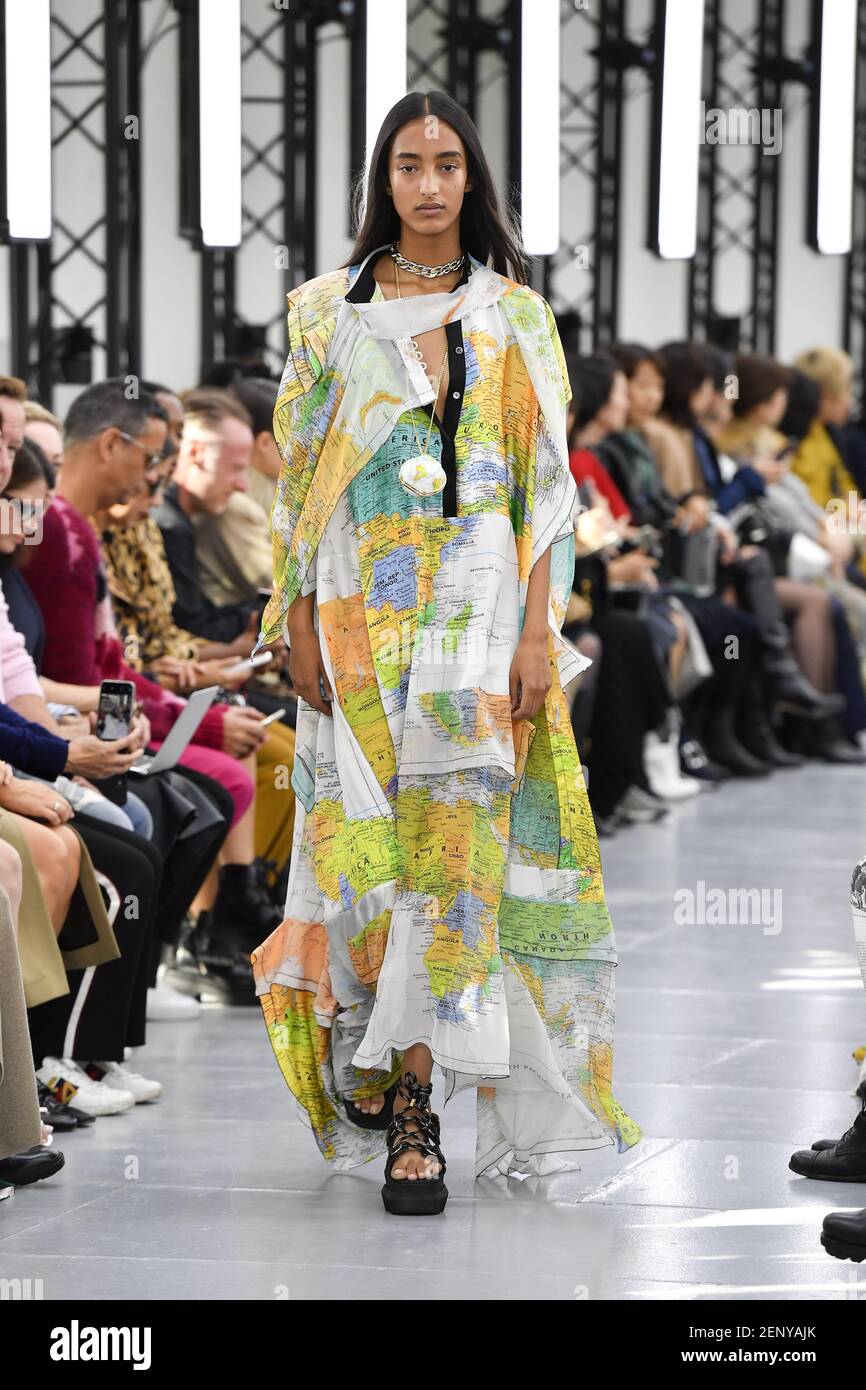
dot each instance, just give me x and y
(244, 910)
(724, 747)
(827, 741)
(212, 968)
(845, 1162)
(844, 1235)
(793, 694)
(755, 733)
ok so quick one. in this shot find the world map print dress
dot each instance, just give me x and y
(445, 884)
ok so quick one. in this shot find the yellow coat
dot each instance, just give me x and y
(819, 463)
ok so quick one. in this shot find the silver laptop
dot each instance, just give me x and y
(179, 735)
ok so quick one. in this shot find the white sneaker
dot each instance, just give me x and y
(119, 1076)
(662, 764)
(167, 1005)
(93, 1097)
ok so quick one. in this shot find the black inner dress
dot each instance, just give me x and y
(362, 292)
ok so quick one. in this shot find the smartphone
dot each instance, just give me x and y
(114, 712)
(277, 714)
(114, 720)
(250, 663)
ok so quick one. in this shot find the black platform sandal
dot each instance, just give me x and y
(381, 1120)
(414, 1196)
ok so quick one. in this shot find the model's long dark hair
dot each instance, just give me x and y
(485, 229)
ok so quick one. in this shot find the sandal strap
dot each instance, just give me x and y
(424, 1136)
(412, 1091)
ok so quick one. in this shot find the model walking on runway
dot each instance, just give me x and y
(445, 901)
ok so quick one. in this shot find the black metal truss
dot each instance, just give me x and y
(855, 279)
(737, 213)
(285, 44)
(95, 68)
(580, 280)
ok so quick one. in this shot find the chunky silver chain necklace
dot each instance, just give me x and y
(429, 272)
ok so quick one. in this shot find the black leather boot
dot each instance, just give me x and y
(31, 1166)
(212, 970)
(827, 741)
(843, 1235)
(845, 1162)
(792, 692)
(244, 911)
(724, 747)
(755, 733)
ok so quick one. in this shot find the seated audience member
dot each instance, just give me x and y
(821, 636)
(172, 406)
(759, 404)
(13, 395)
(211, 466)
(141, 591)
(259, 395)
(819, 458)
(23, 1156)
(109, 440)
(45, 430)
(54, 759)
(793, 505)
(599, 412)
(24, 500)
(636, 649)
(233, 543)
(724, 715)
(682, 440)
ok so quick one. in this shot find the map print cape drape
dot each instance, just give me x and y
(445, 884)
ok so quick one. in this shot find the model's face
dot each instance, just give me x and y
(428, 175)
(49, 439)
(646, 391)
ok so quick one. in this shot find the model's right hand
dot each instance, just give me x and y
(98, 757)
(306, 669)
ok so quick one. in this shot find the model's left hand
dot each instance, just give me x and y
(530, 671)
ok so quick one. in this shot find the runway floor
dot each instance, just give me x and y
(733, 1048)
